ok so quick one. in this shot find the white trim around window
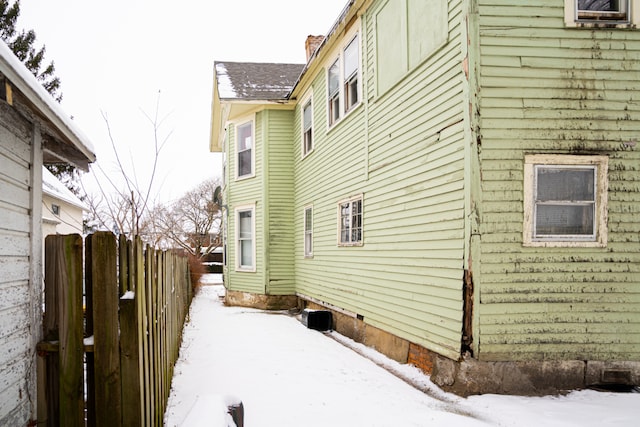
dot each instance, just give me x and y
(565, 200)
(245, 153)
(594, 14)
(245, 238)
(306, 125)
(344, 80)
(350, 221)
(307, 220)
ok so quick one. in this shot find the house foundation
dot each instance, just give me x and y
(263, 302)
(466, 376)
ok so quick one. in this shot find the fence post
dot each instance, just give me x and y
(150, 268)
(104, 285)
(130, 338)
(63, 321)
(157, 338)
(88, 300)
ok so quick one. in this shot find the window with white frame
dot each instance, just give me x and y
(351, 61)
(245, 238)
(350, 222)
(597, 12)
(333, 85)
(343, 81)
(565, 200)
(308, 232)
(307, 128)
(244, 144)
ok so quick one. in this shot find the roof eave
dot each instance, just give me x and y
(348, 12)
(228, 109)
(80, 150)
(216, 136)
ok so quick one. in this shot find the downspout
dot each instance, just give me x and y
(265, 198)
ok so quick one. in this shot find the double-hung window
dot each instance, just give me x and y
(334, 92)
(350, 222)
(351, 60)
(565, 200)
(307, 128)
(245, 154)
(596, 12)
(245, 238)
(343, 81)
(308, 232)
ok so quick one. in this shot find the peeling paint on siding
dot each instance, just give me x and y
(549, 89)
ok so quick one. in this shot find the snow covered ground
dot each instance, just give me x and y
(288, 375)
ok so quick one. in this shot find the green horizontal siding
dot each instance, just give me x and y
(280, 233)
(550, 89)
(245, 192)
(404, 151)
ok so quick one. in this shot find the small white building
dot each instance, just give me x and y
(34, 130)
(62, 211)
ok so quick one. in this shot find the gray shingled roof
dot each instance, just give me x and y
(256, 81)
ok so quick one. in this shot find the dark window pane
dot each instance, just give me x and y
(357, 207)
(244, 163)
(308, 141)
(565, 184)
(334, 108)
(351, 93)
(307, 219)
(564, 220)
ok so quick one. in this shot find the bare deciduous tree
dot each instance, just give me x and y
(193, 221)
(123, 203)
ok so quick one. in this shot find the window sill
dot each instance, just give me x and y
(245, 177)
(333, 125)
(564, 244)
(601, 24)
(307, 154)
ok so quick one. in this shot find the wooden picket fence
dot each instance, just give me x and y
(112, 339)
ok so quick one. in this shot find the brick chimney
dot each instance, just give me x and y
(312, 44)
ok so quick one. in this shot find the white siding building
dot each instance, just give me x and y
(33, 131)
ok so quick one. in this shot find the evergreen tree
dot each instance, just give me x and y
(23, 46)
(8, 16)
(22, 43)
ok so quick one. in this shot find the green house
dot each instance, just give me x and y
(458, 182)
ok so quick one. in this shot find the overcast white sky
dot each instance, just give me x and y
(115, 57)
